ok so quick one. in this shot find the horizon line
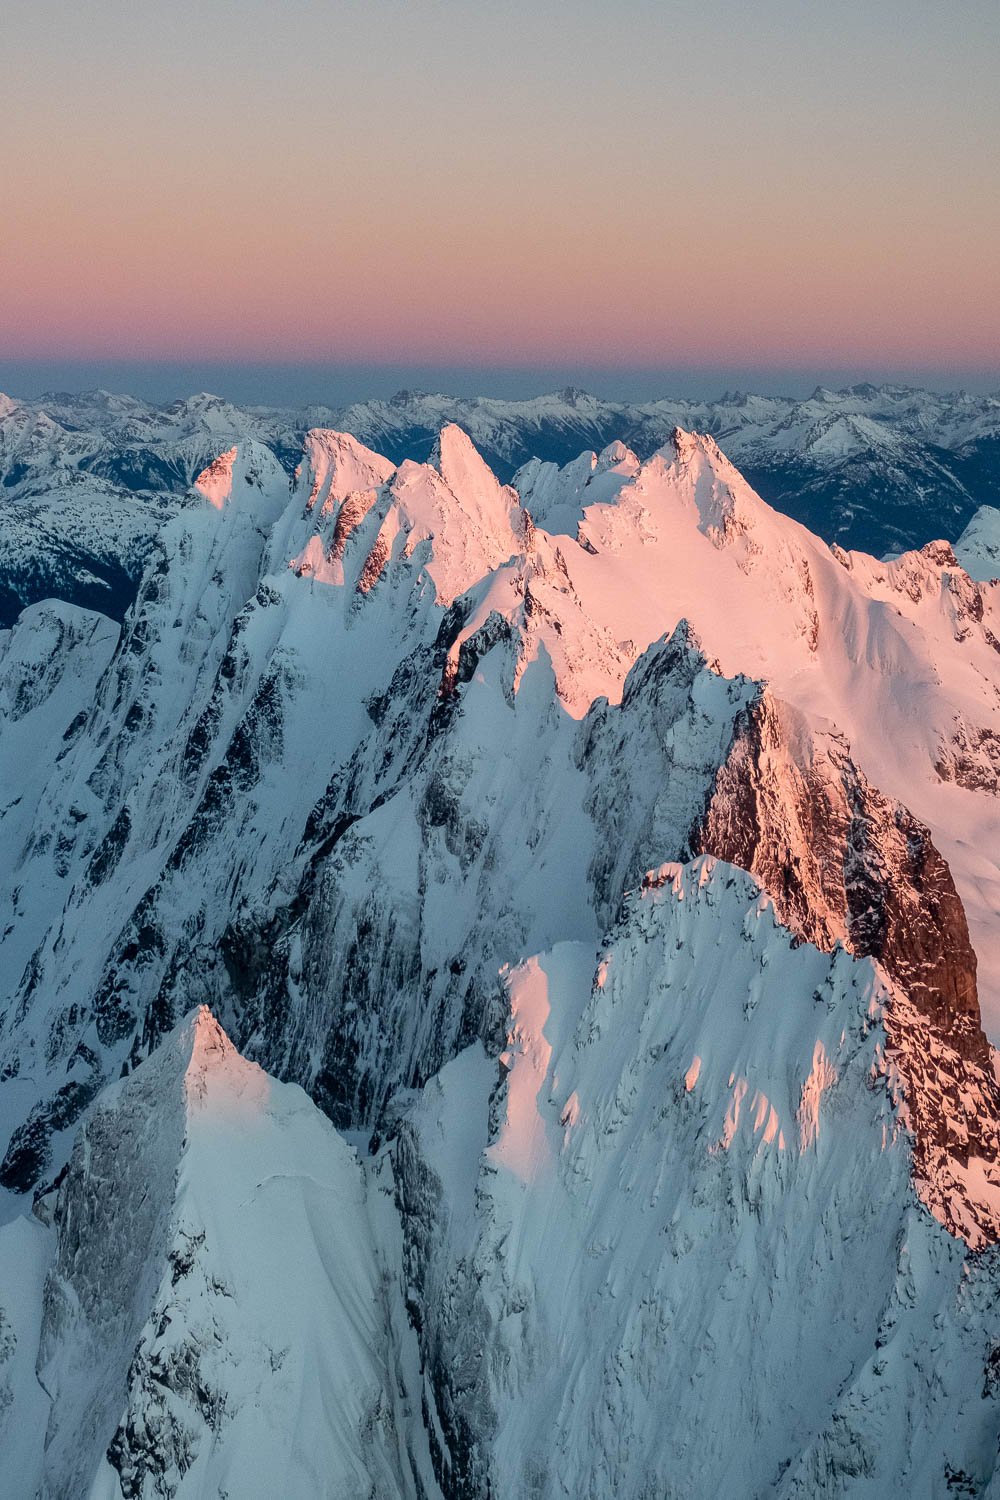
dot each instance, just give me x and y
(836, 383)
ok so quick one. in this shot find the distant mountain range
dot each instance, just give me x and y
(86, 480)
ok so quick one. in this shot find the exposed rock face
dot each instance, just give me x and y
(652, 761)
(845, 864)
(952, 1107)
(28, 1150)
(970, 757)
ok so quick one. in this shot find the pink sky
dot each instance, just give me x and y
(445, 183)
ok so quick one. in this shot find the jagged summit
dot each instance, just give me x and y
(451, 515)
(216, 1077)
(690, 447)
(695, 466)
(616, 455)
(337, 465)
(459, 462)
(245, 472)
(207, 1038)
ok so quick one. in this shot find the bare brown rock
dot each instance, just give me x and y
(844, 863)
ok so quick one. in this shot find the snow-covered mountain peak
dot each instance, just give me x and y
(458, 460)
(201, 1042)
(688, 476)
(683, 445)
(449, 518)
(337, 465)
(207, 412)
(216, 1293)
(216, 1077)
(616, 457)
(456, 504)
(696, 464)
(978, 548)
(215, 482)
(687, 485)
(696, 447)
(245, 478)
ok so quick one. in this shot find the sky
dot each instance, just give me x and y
(530, 192)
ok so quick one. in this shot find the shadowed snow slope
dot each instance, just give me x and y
(217, 1319)
(978, 548)
(375, 766)
(675, 1253)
